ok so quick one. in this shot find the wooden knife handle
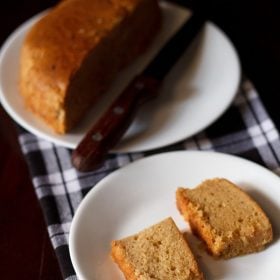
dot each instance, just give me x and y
(106, 133)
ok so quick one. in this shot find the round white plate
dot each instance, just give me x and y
(143, 193)
(196, 92)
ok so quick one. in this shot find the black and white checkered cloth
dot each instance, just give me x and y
(245, 130)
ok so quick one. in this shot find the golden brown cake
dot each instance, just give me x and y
(229, 221)
(158, 252)
(70, 57)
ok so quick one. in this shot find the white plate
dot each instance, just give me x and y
(143, 193)
(195, 93)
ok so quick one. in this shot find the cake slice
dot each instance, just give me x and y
(158, 252)
(227, 219)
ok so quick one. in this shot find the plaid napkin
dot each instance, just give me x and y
(245, 130)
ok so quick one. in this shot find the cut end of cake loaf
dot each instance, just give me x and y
(158, 252)
(70, 56)
(227, 219)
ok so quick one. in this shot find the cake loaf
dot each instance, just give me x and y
(158, 252)
(227, 219)
(70, 57)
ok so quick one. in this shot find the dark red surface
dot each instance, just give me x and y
(25, 250)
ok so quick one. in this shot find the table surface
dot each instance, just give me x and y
(25, 249)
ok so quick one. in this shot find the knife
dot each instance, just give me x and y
(109, 129)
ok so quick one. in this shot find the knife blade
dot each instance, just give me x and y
(109, 129)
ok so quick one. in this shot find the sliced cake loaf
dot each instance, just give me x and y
(159, 252)
(225, 218)
(71, 56)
